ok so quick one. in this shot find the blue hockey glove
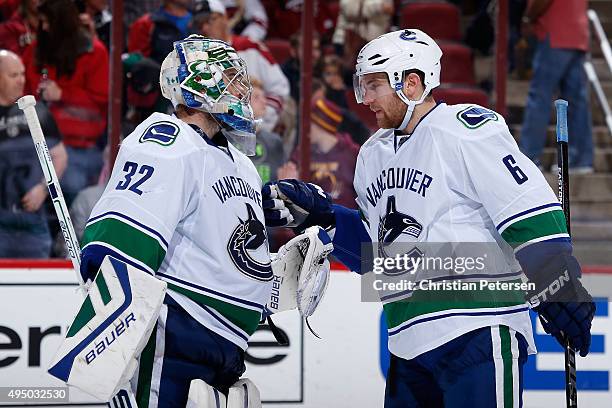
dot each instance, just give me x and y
(564, 306)
(306, 205)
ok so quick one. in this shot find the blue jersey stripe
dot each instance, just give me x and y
(534, 209)
(224, 323)
(141, 225)
(214, 292)
(428, 319)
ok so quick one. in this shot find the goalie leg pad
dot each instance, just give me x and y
(243, 394)
(110, 330)
(202, 395)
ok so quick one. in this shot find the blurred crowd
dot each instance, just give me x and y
(58, 50)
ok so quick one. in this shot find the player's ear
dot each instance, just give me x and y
(412, 85)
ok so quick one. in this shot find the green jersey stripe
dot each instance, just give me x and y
(506, 353)
(129, 240)
(145, 371)
(245, 319)
(535, 227)
(427, 302)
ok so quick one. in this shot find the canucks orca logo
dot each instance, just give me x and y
(394, 224)
(408, 35)
(249, 236)
(163, 133)
(475, 116)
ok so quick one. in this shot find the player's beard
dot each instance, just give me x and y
(393, 115)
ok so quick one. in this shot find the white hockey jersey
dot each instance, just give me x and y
(180, 207)
(459, 177)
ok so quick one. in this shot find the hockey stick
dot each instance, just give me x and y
(27, 105)
(571, 393)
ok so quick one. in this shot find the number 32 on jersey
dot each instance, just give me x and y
(135, 175)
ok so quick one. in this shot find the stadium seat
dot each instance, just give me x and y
(362, 111)
(439, 20)
(457, 64)
(280, 49)
(453, 95)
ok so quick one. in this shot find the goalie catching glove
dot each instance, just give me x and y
(301, 273)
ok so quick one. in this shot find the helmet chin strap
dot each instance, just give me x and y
(411, 105)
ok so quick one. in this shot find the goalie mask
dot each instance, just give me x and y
(393, 54)
(209, 75)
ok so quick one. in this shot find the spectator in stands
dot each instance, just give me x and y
(351, 124)
(154, 33)
(269, 149)
(96, 16)
(561, 27)
(291, 67)
(133, 10)
(68, 70)
(333, 155)
(81, 207)
(286, 16)
(8, 8)
(360, 21)
(211, 21)
(20, 30)
(247, 18)
(23, 226)
(333, 77)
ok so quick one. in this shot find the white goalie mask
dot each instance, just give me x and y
(394, 53)
(209, 75)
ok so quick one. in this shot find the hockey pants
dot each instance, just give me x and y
(181, 349)
(480, 369)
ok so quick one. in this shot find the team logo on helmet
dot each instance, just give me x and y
(408, 35)
(248, 239)
(206, 75)
(391, 226)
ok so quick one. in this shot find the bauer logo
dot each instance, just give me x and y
(120, 326)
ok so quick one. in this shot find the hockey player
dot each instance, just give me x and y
(448, 173)
(184, 203)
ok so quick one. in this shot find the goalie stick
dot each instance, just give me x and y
(27, 104)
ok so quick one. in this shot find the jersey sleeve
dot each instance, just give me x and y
(359, 186)
(150, 191)
(512, 190)
(352, 228)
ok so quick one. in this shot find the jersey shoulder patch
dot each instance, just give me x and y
(163, 133)
(474, 116)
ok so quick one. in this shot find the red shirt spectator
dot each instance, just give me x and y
(18, 32)
(566, 24)
(80, 113)
(8, 7)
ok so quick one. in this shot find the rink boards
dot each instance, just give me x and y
(343, 369)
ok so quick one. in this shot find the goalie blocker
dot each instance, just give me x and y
(100, 350)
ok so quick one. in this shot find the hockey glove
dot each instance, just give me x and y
(301, 273)
(306, 203)
(564, 306)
